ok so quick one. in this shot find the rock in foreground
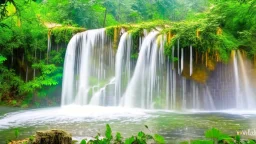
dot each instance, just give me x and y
(53, 137)
(48, 137)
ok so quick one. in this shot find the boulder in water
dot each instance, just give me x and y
(52, 137)
(47, 137)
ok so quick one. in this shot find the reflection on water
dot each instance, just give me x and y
(87, 121)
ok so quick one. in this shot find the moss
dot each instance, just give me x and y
(110, 32)
(64, 33)
(113, 34)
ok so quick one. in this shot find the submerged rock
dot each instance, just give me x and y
(48, 137)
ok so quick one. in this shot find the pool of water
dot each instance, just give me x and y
(87, 121)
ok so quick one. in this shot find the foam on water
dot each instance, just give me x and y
(69, 114)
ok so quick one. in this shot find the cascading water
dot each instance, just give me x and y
(94, 74)
(248, 92)
(145, 67)
(89, 63)
(239, 100)
(191, 61)
(123, 65)
(182, 60)
(178, 51)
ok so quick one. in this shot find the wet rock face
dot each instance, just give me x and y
(52, 137)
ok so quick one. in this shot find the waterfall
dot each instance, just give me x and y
(88, 63)
(248, 92)
(173, 48)
(182, 60)
(97, 74)
(174, 89)
(184, 95)
(167, 84)
(122, 65)
(49, 44)
(191, 61)
(208, 100)
(178, 53)
(239, 100)
(68, 73)
(96, 99)
(144, 71)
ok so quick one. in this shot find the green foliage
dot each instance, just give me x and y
(2, 59)
(108, 132)
(65, 33)
(23, 31)
(118, 138)
(16, 133)
(159, 139)
(129, 140)
(83, 142)
(141, 138)
(217, 137)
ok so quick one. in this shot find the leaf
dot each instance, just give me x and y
(108, 132)
(83, 142)
(129, 140)
(2, 59)
(202, 142)
(251, 142)
(141, 134)
(118, 137)
(213, 133)
(224, 137)
(159, 139)
(238, 138)
(17, 133)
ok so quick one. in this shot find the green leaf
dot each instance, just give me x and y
(251, 142)
(238, 138)
(108, 132)
(129, 140)
(16, 133)
(2, 59)
(213, 133)
(118, 137)
(141, 134)
(83, 142)
(159, 139)
(224, 137)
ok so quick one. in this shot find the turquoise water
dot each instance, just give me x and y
(87, 121)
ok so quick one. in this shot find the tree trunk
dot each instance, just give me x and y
(105, 17)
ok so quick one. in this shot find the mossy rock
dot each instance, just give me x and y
(47, 137)
(53, 137)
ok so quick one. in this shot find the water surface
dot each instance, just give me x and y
(87, 121)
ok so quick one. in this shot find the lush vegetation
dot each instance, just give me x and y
(34, 35)
(215, 136)
(140, 138)
(212, 136)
